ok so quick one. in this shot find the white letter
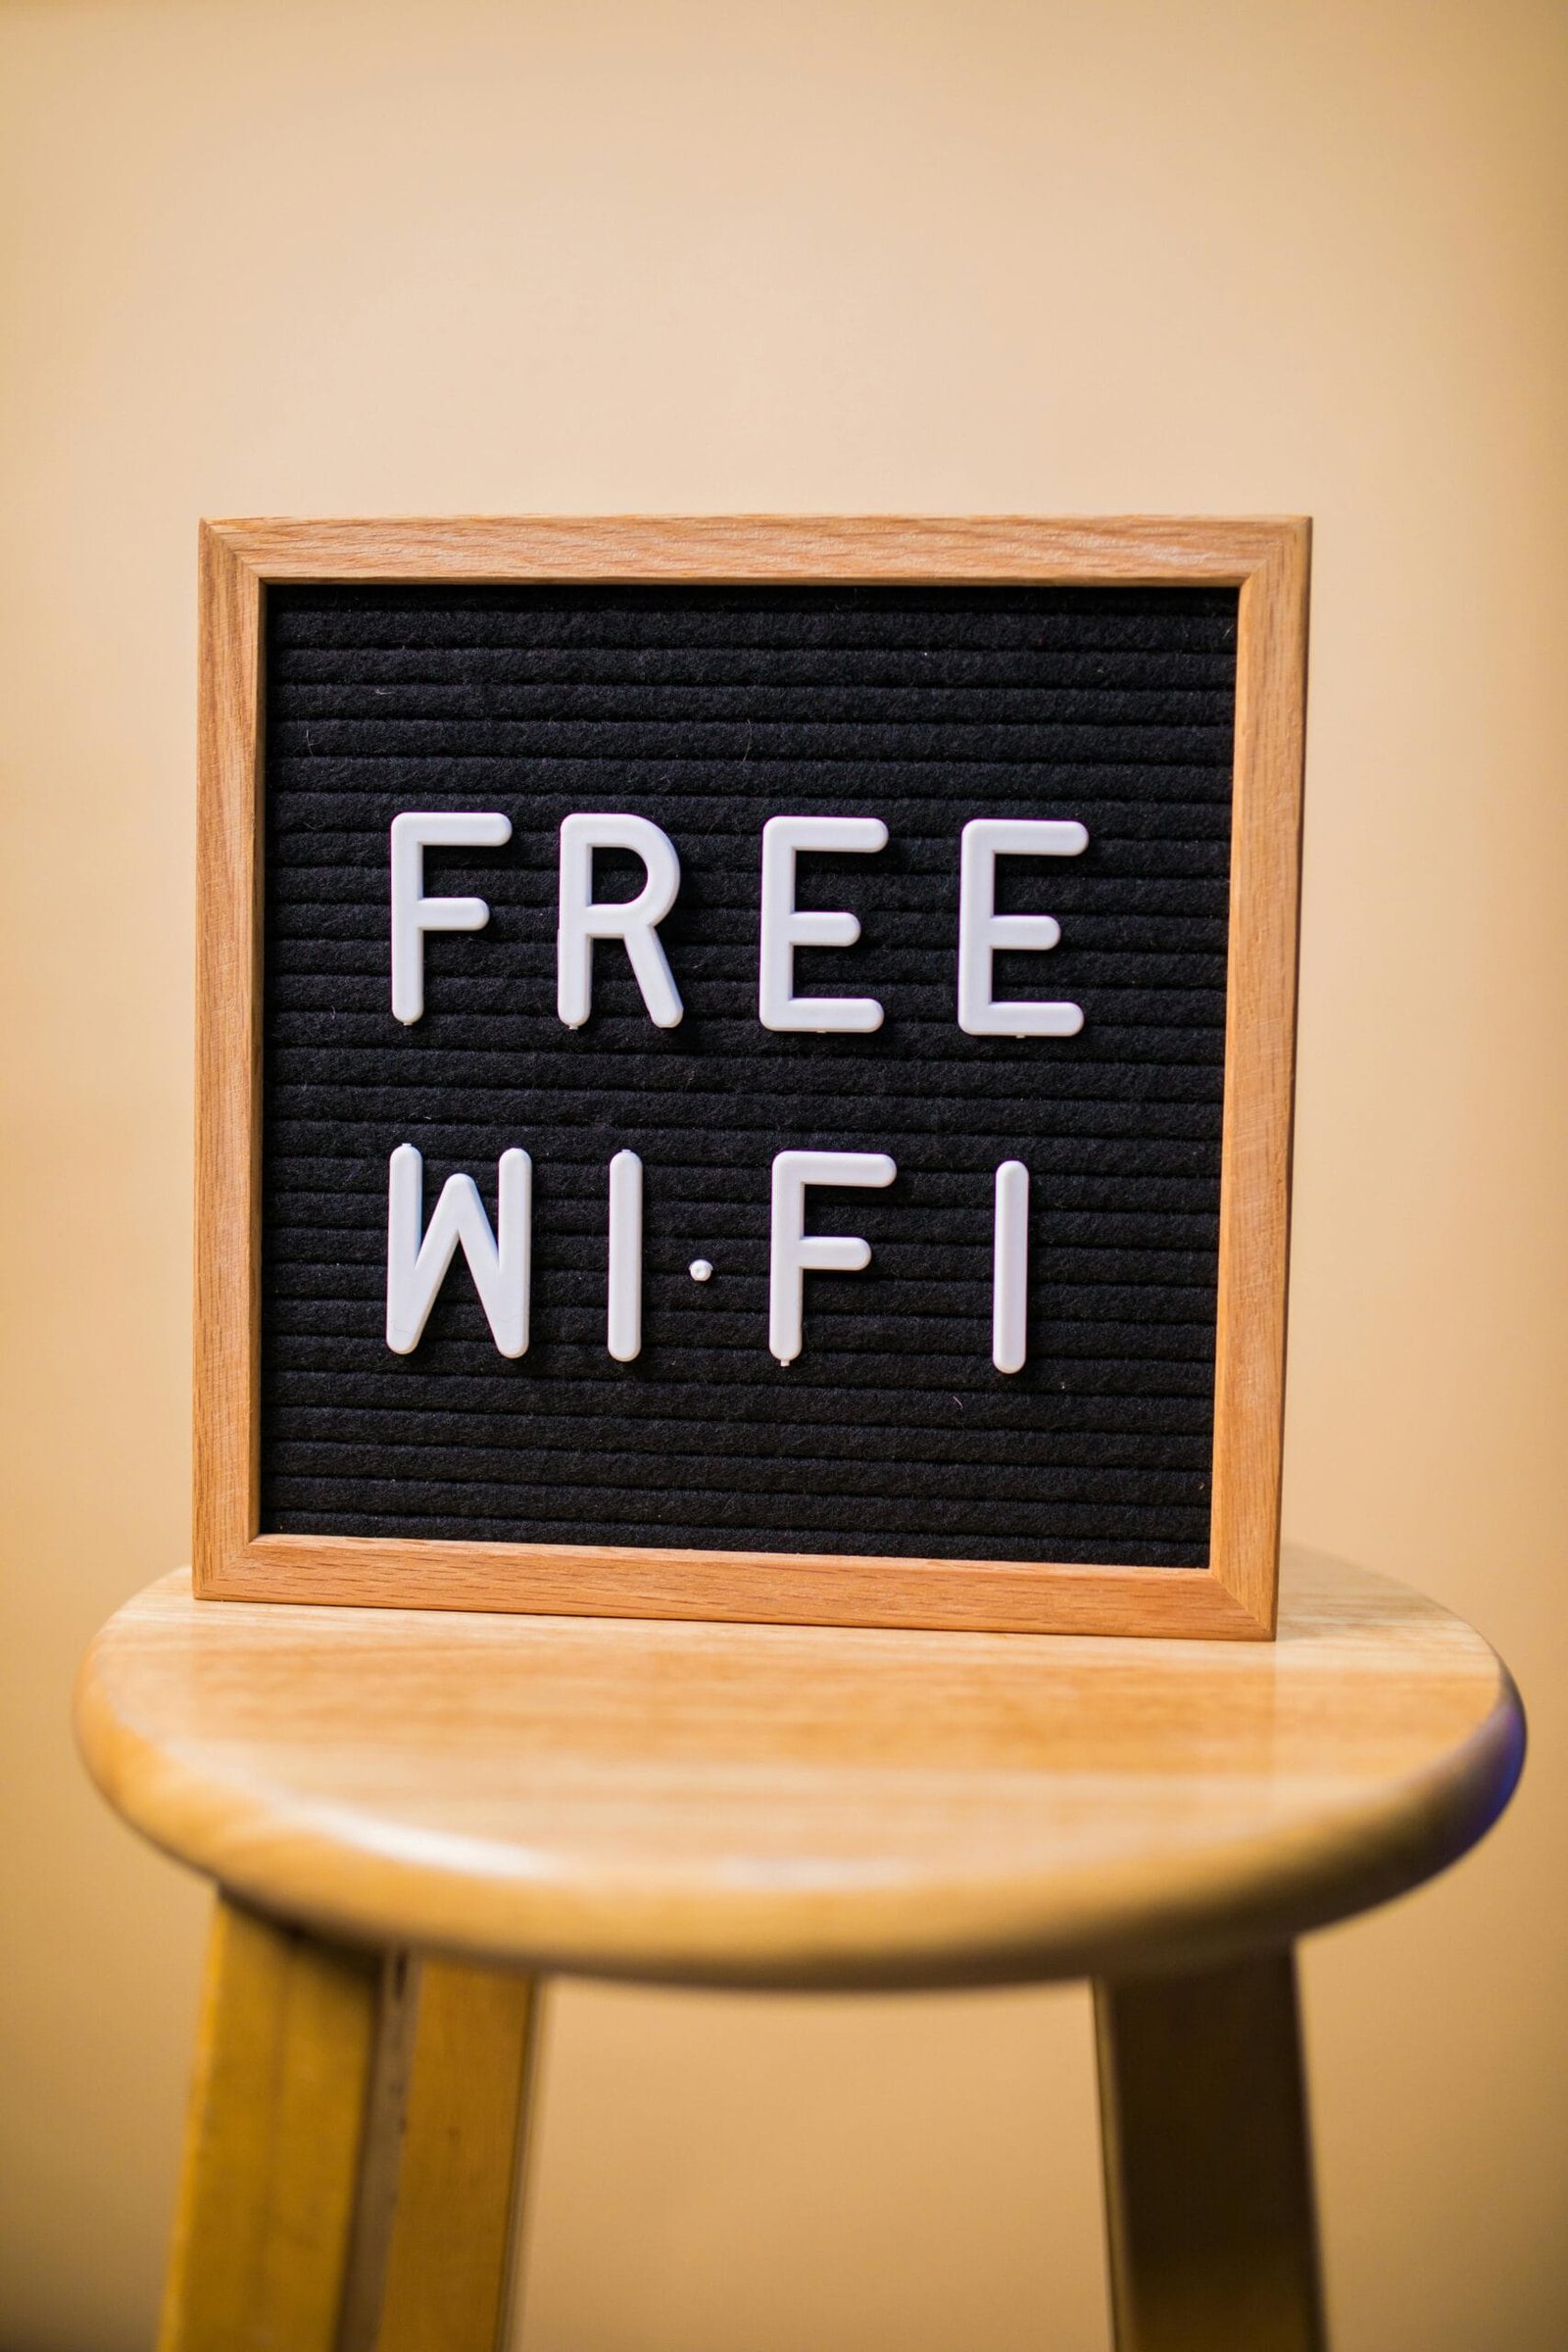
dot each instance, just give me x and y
(415, 1269)
(635, 921)
(413, 914)
(625, 1332)
(982, 931)
(785, 927)
(795, 1253)
(1009, 1278)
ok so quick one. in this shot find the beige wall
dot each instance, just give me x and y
(1269, 254)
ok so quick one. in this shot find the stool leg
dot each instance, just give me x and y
(267, 2194)
(434, 2235)
(1208, 2182)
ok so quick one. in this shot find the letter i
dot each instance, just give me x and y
(1009, 1287)
(625, 1332)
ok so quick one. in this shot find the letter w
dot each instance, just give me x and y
(416, 1268)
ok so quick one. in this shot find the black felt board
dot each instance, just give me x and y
(711, 710)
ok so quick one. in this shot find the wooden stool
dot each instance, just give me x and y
(412, 1816)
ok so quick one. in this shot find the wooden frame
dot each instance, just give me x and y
(1267, 559)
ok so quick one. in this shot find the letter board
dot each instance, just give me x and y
(746, 1067)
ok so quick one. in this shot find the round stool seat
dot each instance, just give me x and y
(790, 1805)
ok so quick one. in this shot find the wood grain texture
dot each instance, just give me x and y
(1210, 2219)
(828, 1589)
(448, 2268)
(744, 1805)
(267, 2200)
(1234, 1598)
(228, 947)
(381, 2152)
(1255, 1216)
(1115, 550)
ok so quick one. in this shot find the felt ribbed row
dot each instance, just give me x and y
(710, 709)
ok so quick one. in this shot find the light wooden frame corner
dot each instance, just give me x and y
(1267, 559)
